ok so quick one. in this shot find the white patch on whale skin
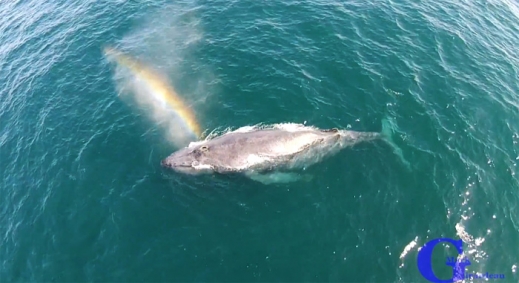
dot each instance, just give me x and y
(250, 161)
(296, 144)
(254, 159)
(202, 167)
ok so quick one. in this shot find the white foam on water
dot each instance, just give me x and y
(196, 143)
(473, 246)
(407, 249)
(292, 127)
(245, 129)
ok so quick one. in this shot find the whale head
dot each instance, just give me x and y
(190, 160)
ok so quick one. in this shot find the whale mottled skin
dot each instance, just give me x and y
(268, 154)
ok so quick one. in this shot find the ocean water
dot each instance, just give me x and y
(83, 196)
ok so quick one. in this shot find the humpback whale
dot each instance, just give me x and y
(267, 154)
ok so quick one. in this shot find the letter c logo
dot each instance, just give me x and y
(425, 265)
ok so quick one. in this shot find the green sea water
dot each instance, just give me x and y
(83, 196)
